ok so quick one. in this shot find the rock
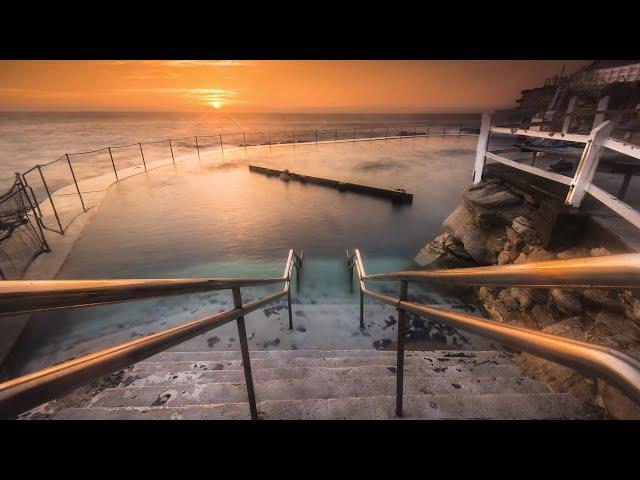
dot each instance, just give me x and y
(599, 252)
(574, 252)
(631, 306)
(539, 254)
(558, 377)
(605, 299)
(524, 227)
(614, 330)
(445, 250)
(522, 258)
(542, 316)
(524, 296)
(615, 403)
(492, 196)
(515, 239)
(461, 225)
(567, 301)
(507, 298)
(521, 224)
(505, 257)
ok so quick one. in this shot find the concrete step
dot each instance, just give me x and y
(437, 364)
(303, 388)
(266, 354)
(141, 379)
(431, 407)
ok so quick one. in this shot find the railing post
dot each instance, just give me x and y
(113, 164)
(402, 317)
(171, 148)
(46, 187)
(142, 154)
(588, 163)
(481, 149)
(427, 131)
(246, 360)
(197, 147)
(566, 124)
(443, 130)
(361, 308)
(221, 146)
(603, 104)
(84, 209)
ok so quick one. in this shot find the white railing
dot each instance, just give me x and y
(582, 182)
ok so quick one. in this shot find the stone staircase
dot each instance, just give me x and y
(326, 385)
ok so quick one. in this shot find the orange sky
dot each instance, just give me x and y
(271, 86)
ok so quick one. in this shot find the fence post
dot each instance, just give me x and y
(142, 153)
(73, 175)
(402, 318)
(603, 104)
(113, 164)
(221, 147)
(171, 148)
(246, 360)
(566, 124)
(33, 198)
(197, 147)
(481, 149)
(53, 206)
(588, 163)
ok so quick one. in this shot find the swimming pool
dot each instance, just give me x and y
(212, 217)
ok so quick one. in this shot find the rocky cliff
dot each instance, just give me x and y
(494, 224)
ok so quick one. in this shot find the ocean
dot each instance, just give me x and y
(31, 138)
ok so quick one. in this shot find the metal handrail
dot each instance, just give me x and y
(23, 393)
(612, 365)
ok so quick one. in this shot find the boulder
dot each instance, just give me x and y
(599, 252)
(493, 196)
(539, 254)
(574, 252)
(567, 300)
(444, 250)
(631, 306)
(602, 299)
(615, 403)
(558, 377)
(461, 225)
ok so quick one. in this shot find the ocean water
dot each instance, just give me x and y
(30, 138)
(212, 217)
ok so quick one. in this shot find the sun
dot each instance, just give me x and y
(216, 104)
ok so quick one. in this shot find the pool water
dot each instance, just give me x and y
(213, 217)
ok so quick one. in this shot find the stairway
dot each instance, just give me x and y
(324, 385)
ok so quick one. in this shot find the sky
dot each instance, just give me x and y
(271, 85)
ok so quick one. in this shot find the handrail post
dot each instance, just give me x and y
(171, 148)
(113, 164)
(402, 317)
(246, 360)
(361, 308)
(23, 190)
(197, 147)
(84, 209)
(46, 187)
(481, 149)
(142, 154)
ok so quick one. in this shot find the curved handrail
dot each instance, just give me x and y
(610, 272)
(616, 367)
(25, 392)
